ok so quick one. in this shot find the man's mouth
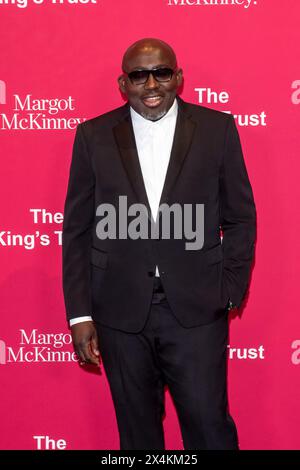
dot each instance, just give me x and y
(152, 101)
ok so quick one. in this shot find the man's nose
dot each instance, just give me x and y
(151, 82)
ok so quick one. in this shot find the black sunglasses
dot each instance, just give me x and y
(138, 77)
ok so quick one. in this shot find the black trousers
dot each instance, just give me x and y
(192, 362)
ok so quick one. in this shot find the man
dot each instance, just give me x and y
(157, 311)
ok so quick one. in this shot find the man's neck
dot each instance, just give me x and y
(169, 111)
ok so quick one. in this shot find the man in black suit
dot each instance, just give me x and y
(154, 310)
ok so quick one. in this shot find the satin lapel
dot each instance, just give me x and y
(182, 140)
(125, 139)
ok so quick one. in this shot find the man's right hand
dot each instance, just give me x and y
(85, 342)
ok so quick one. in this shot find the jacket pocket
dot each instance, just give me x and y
(99, 258)
(214, 255)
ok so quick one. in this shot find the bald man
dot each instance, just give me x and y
(154, 308)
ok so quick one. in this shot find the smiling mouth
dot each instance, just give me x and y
(152, 101)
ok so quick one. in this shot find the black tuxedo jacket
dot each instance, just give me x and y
(112, 279)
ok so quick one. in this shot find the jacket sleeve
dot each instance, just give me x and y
(77, 230)
(237, 217)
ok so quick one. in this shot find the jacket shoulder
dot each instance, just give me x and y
(105, 120)
(198, 111)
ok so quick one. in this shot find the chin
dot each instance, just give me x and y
(153, 116)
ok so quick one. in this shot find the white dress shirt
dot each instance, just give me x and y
(154, 140)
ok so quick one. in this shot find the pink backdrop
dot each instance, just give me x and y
(72, 53)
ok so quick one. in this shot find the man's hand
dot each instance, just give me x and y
(85, 342)
(231, 306)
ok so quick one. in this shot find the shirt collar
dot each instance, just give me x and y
(138, 119)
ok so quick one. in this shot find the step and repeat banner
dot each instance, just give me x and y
(60, 60)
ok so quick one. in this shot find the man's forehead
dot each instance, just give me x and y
(148, 57)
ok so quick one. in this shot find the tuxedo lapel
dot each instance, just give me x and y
(125, 139)
(182, 140)
(124, 135)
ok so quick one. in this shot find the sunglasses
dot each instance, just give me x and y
(138, 77)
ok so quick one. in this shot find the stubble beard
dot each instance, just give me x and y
(150, 116)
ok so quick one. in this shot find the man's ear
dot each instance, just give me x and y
(121, 81)
(179, 77)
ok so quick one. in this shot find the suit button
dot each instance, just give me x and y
(150, 273)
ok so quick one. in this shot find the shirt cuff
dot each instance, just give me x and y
(73, 321)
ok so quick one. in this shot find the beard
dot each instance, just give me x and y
(151, 117)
